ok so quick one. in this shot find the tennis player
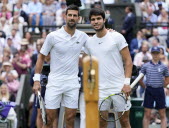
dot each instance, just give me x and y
(62, 88)
(115, 64)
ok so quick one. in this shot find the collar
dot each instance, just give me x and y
(67, 34)
(151, 62)
(129, 14)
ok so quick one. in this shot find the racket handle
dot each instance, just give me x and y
(136, 80)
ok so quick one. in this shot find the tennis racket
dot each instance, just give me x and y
(42, 108)
(116, 103)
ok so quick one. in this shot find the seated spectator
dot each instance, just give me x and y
(163, 22)
(48, 13)
(136, 44)
(6, 69)
(16, 39)
(145, 5)
(13, 84)
(34, 12)
(4, 26)
(156, 35)
(11, 46)
(138, 59)
(5, 13)
(6, 56)
(162, 4)
(150, 17)
(22, 9)
(21, 61)
(5, 97)
(60, 14)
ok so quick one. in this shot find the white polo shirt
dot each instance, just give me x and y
(107, 50)
(64, 52)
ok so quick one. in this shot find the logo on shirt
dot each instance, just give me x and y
(159, 70)
(100, 42)
(77, 42)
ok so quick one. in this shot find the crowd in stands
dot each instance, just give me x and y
(19, 51)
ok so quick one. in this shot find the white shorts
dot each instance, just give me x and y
(63, 94)
(118, 103)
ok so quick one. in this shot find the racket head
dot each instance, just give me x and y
(42, 108)
(111, 104)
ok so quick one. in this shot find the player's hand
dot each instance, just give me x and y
(127, 90)
(36, 86)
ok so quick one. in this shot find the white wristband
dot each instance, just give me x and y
(127, 81)
(36, 77)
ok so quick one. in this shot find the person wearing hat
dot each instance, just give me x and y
(6, 69)
(22, 60)
(157, 77)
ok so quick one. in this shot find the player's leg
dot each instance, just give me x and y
(70, 101)
(102, 122)
(53, 98)
(124, 120)
(51, 115)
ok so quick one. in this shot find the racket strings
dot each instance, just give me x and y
(111, 105)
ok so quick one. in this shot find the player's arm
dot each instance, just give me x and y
(128, 65)
(38, 69)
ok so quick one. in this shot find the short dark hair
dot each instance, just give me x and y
(130, 8)
(96, 12)
(72, 7)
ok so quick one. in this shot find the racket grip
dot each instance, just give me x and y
(136, 80)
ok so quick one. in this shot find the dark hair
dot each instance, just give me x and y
(130, 8)
(96, 12)
(72, 7)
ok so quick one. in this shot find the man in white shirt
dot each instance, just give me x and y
(111, 50)
(64, 46)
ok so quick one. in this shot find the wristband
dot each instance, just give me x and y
(36, 77)
(127, 81)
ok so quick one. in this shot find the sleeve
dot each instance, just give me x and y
(143, 69)
(47, 46)
(121, 42)
(166, 72)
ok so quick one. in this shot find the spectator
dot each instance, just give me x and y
(162, 4)
(163, 22)
(59, 14)
(4, 93)
(156, 35)
(16, 39)
(11, 46)
(6, 69)
(136, 44)
(145, 5)
(144, 52)
(150, 17)
(5, 13)
(21, 60)
(4, 26)
(48, 13)
(35, 55)
(34, 11)
(128, 24)
(13, 84)
(22, 9)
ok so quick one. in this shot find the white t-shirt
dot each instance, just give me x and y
(107, 51)
(64, 52)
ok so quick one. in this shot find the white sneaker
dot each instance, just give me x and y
(30, 30)
(37, 30)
